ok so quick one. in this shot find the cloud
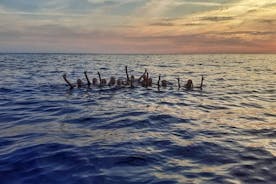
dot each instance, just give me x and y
(126, 8)
(216, 18)
(54, 5)
(193, 39)
(138, 25)
(23, 5)
(254, 33)
(162, 24)
(193, 24)
(267, 21)
(179, 8)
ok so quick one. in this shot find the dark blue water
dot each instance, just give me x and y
(223, 134)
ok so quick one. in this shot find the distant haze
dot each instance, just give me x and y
(138, 26)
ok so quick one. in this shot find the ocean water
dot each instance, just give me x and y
(225, 133)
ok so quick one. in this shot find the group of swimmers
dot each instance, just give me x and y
(144, 80)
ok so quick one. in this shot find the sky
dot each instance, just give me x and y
(138, 26)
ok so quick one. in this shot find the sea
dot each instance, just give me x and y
(224, 133)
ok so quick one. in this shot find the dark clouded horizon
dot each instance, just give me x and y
(138, 26)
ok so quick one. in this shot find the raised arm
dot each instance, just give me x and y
(127, 74)
(178, 82)
(100, 78)
(88, 81)
(147, 80)
(158, 83)
(142, 75)
(69, 84)
(132, 81)
(201, 84)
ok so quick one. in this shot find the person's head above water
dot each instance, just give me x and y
(95, 81)
(79, 83)
(119, 82)
(189, 84)
(112, 81)
(103, 82)
(164, 83)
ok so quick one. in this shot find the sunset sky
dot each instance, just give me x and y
(138, 26)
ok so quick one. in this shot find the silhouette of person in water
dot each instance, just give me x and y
(144, 80)
(112, 81)
(164, 83)
(119, 82)
(95, 81)
(87, 79)
(102, 81)
(142, 77)
(79, 82)
(132, 80)
(189, 85)
(68, 82)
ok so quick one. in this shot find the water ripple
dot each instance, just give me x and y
(224, 133)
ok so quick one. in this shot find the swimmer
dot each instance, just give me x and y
(125, 83)
(189, 85)
(164, 83)
(102, 81)
(87, 79)
(119, 82)
(79, 83)
(144, 81)
(132, 79)
(95, 81)
(69, 83)
(112, 81)
(201, 83)
(142, 76)
(147, 79)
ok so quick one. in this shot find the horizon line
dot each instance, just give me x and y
(95, 53)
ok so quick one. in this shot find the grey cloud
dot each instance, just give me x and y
(216, 18)
(247, 32)
(270, 4)
(172, 24)
(162, 24)
(50, 5)
(127, 8)
(85, 5)
(193, 24)
(267, 21)
(195, 39)
(213, 1)
(171, 19)
(23, 5)
(53, 31)
(188, 9)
